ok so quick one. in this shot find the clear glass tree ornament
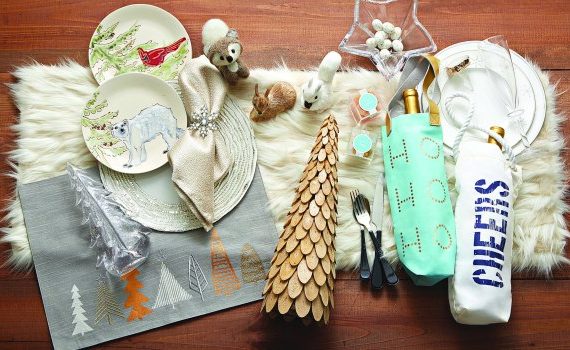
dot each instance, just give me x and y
(122, 244)
(401, 13)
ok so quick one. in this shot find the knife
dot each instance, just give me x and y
(377, 220)
(378, 203)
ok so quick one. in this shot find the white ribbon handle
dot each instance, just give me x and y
(507, 150)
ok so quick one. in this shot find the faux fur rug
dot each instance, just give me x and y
(50, 100)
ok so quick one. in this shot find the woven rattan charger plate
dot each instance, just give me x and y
(173, 216)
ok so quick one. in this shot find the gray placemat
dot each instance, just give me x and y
(63, 259)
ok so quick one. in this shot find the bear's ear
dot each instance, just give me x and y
(125, 121)
(256, 89)
(232, 33)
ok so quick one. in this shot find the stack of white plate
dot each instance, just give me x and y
(134, 117)
(530, 93)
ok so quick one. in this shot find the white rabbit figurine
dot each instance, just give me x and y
(317, 93)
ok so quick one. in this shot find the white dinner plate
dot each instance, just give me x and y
(139, 38)
(530, 91)
(131, 121)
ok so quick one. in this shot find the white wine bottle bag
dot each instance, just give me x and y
(486, 181)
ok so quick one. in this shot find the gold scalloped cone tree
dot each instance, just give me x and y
(300, 281)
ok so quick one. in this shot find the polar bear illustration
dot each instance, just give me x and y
(144, 127)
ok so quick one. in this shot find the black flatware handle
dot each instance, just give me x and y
(377, 265)
(389, 272)
(364, 267)
(377, 282)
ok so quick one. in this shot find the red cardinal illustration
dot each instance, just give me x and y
(155, 57)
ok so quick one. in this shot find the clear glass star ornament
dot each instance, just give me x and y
(203, 121)
(401, 13)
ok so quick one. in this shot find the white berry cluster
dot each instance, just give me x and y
(387, 38)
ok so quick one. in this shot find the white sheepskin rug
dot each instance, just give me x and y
(51, 98)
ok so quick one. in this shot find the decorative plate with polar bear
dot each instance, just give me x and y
(151, 198)
(139, 38)
(132, 121)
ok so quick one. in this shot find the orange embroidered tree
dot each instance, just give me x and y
(135, 299)
(223, 275)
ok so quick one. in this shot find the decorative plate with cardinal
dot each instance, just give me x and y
(132, 121)
(139, 38)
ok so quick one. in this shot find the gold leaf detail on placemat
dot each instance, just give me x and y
(107, 305)
(224, 277)
(251, 265)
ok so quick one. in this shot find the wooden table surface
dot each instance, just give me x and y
(301, 32)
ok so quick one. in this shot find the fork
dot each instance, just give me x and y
(387, 269)
(364, 267)
(362, 216)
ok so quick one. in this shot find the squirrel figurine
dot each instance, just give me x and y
(278, 98)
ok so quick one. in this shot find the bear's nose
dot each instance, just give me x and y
(229, 58)
(308, 104)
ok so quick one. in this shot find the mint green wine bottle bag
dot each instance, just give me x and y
(424, 225)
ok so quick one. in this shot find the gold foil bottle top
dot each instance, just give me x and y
(411, 101)
(499, 131)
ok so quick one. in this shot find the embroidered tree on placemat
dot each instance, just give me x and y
(170, 291)
(135, 298)
(78, 312)
(224, 277)
(107, 306)
(196, 277)
(251, 265)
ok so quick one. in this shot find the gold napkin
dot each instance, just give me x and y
(200, 157)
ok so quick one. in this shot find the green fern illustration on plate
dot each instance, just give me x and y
(100, 140)
(114, 53)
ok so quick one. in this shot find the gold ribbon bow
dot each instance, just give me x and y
(431, 75)
(200, 157)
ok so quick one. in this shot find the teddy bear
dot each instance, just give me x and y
(223, 49)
